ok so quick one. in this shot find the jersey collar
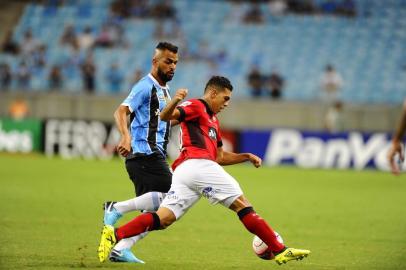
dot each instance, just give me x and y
(157, 83)
(209, 111)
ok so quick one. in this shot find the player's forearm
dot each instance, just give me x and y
(400, 132)
(167, 113)
(120, 117)
(230, 158)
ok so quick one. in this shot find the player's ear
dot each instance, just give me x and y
(213, 92)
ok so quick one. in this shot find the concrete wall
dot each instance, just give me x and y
(308, 116)
(256, 114)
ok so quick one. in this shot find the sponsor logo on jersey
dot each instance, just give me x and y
(212, 133)
(186, 103)
(161, 97)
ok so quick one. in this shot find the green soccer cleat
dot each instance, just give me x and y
(107, 242)
(291, 254)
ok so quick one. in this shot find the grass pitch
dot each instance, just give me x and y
(51, 218)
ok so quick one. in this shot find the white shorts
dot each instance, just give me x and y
(200, 177)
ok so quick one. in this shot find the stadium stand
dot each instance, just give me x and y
(368, 50)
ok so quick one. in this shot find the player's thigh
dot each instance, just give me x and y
(182, 196)
(218, 186)
(179, 199)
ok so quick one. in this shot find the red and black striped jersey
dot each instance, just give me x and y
(200, 131)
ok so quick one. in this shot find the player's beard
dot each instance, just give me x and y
(163, 76)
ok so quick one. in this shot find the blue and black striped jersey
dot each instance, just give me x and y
(148, 133)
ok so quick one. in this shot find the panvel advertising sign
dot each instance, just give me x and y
(318, 149)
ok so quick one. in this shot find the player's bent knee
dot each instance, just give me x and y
(166, 217)
(165, 224)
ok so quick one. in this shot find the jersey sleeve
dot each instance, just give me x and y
(137, 97)
(189, 110)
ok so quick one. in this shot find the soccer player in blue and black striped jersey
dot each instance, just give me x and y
(143, 144)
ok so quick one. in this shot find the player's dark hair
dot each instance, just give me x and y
(167, 46)
(219, 82)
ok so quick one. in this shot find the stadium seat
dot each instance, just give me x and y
(297, 46)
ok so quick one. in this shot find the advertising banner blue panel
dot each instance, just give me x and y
(318, 149)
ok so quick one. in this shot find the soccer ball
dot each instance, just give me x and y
(261, 249)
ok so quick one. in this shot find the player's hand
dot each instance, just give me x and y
(396, 149)
(180, 94)
(255, 160)
(124, 146)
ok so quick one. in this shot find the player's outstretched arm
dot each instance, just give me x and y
(397, 147)
(230, 158)
(169, 112)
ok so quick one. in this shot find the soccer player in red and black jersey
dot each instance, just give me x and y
(197, 173)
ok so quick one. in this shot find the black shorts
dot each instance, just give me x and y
(149, 173)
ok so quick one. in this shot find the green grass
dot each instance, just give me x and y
(51, 218)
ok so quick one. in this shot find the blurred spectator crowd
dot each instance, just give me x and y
(33, 58)
(265, 85)
(269, 48)
(254, 14)
(32, 52)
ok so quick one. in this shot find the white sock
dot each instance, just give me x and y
(149, 202)
(127, 243)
